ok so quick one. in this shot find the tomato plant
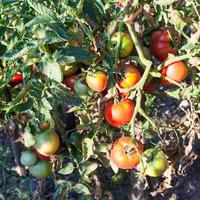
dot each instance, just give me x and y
(124, 154)
(97, 81)
(118, 114)
(161, 45)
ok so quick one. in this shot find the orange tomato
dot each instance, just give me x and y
(123, 153)
(98, 81)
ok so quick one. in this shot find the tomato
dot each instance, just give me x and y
(70, 81)
(126, 46)
(123, 153)
(41, 169)
(131, 76)
(150, 87)
(161, 46)
(118, 114)
(42, 157)
(28, 158)
(16, 79)
(47, 143)
(81, 89)
(98, 81)
(68, 70)
(176, 71)
(155, 162)
(45, 125)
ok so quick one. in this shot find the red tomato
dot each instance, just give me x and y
(123, 153)
(176, 71)
(150, 87)
(16, 79)
(97, 82)
(70, 81)
(161, 46)
(118, 114)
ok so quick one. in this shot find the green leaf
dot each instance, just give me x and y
(83, 189)
(46, 104)
(89, 168)
(52, 69)
(100, 6)
(175, 93)
(87, 148)
(29, 140)
(68, 169)
(73, 54)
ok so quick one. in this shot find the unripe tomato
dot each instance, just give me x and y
(98, 81)
(41, 169)
(124, 154)
(42, 157)
(155, 162)
(47, 143)
(16, 79)
(28, 158)
(70, 81)
(118, 114)
(81, 89)
(131, 76)
(68, 70)
(176, 71)
(161, 45)
(126, 46)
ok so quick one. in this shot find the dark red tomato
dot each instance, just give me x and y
(70, 81)
(124, 154)
(16, 79)
(161, 45)
(118, 114)
(176, 71)
(150, 87)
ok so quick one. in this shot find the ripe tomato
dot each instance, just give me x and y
(42, 157)
(45, 125)
(28, 158)
(123, 153)
(126, 46)
(118, 114)
(68, 70)
(16, 79)
(160, 45)
(47, 143)
(70, 81)
(131, 76)
(155, 162)
(97, 82)
(81, 89)
(41, 169)
(176, 71)
(150, 87)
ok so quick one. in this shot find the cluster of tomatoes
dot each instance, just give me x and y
(38, 159)
(126, 153)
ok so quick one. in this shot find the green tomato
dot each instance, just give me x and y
(68, 70)
(28, 158)
(81, 89)
(126, 46)
(41, 169)
(155, 162)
